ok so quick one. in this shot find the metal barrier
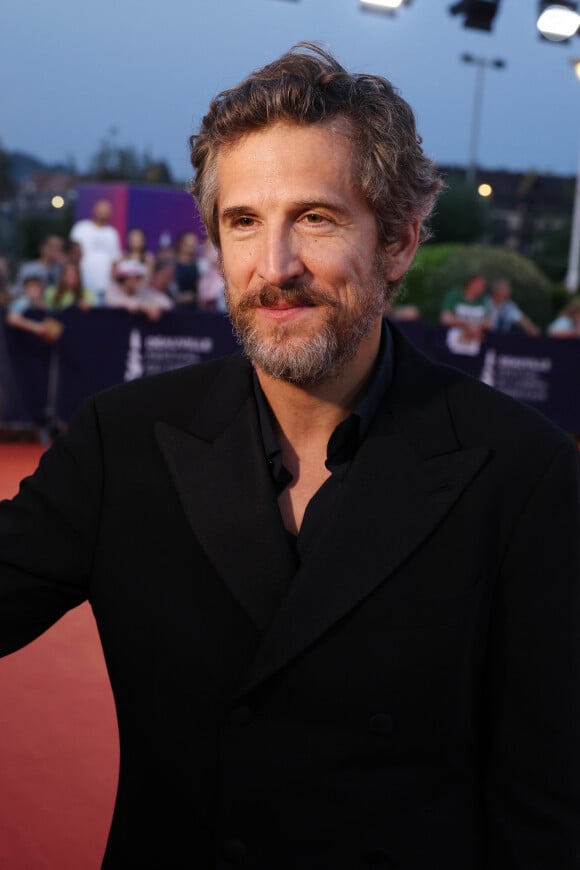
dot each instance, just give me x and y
(42, 385)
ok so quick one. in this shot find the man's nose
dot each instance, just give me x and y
(279, 258)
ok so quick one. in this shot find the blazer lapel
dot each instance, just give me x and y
(220, 473)
(407, 475)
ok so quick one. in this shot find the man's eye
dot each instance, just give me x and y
(244, 222)
(314, 218)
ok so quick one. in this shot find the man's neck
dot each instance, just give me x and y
(306, 416)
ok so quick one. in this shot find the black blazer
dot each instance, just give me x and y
(409, 698)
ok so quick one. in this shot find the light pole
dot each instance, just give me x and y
(572, 278)
(481, 64)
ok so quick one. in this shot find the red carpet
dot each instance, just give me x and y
(58, 735)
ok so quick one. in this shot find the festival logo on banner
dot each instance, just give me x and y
(154, 354)
(134, 366)
(521, 377)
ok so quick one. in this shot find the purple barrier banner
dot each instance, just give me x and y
(27, 368)
(104, 347)
(43, 384)
(542, 372)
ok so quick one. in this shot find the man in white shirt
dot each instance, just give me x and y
(100, 245)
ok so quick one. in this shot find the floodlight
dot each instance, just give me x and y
(478, 14)
(557, 22)
(388, 6)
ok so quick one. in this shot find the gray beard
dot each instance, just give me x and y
(287, 356)
(298, 362)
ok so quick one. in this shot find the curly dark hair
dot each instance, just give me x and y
(307, 85)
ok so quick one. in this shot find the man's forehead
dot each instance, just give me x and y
(339, 126)
(303, 153)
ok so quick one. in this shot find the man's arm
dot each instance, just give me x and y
(447, 314)
(528, 326)
(47, 536)
(448, 318)
(533, 690)
(563, 332)
(49, 329)
(522, 321)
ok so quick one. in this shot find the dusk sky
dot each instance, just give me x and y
(72, 71)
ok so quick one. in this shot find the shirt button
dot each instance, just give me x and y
(234, 851)
(241, 716)
(381, 723)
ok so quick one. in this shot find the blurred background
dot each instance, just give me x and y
(111, 91)
(98, 103)
(100, 100)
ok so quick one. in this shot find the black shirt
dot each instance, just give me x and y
(341, 449)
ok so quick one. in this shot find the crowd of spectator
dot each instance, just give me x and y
(473, 309)
(93, 269)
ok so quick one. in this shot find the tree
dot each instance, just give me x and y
(113, 162)
(7, 186)
(552, 250)
(461, 215)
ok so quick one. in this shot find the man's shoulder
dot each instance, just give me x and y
(511, 311)
(110, 231)
(174, 394)
(82, 231)
(151, 294)
(482, 411)
(31, 269)
(19, 305)
(480, 414)
(80, 226)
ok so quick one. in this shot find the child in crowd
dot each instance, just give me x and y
(32, 298)
(69, 291)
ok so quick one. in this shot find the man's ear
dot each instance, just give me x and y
(399, 254)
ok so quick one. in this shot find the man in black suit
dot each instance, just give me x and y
(337, 585)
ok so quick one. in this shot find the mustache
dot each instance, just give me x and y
(269, 295)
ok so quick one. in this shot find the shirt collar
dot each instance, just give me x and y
(348, 434)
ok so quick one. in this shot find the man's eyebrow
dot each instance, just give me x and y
(315, 204)
(236, 211)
